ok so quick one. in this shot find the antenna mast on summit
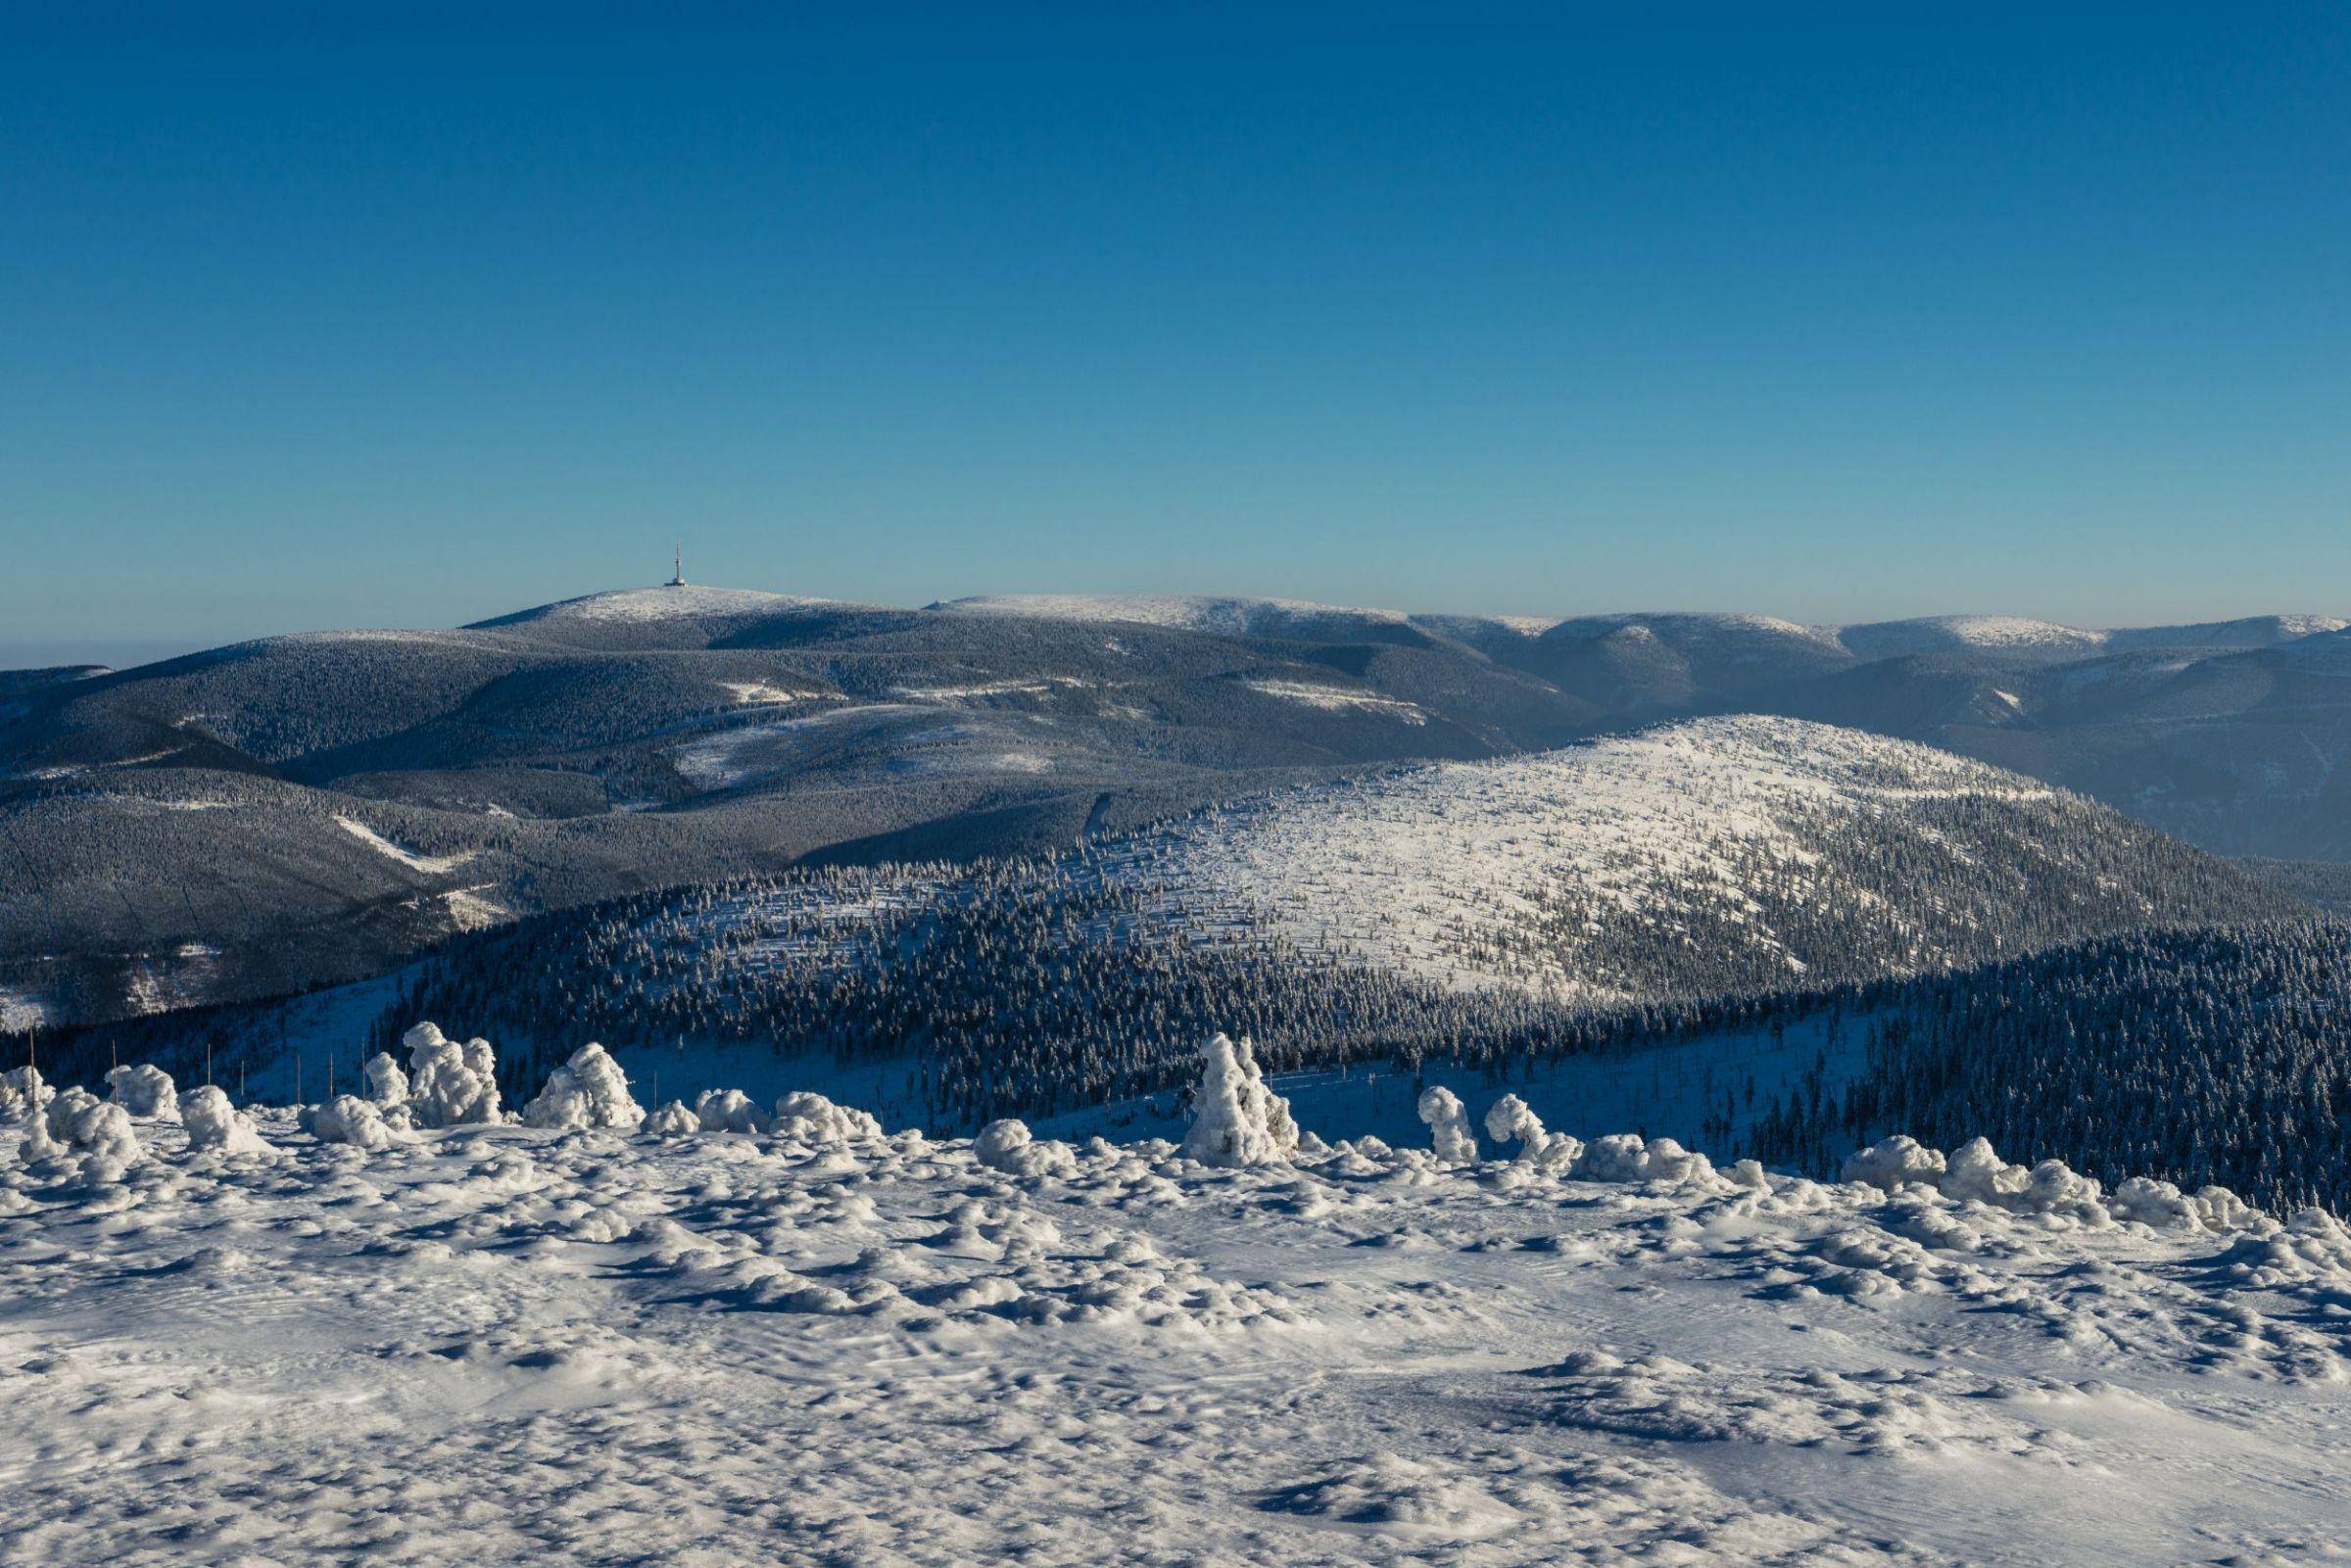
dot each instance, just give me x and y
(678, 578)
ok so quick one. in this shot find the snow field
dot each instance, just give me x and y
(739, 1335)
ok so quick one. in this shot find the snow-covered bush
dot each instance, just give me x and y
(21, 1091)
(1977, 1172)
(1668, 1161)
(2056, 1188)
(386, 1084)
(1618, 1157)
(675, 1119)
(1008, 1145)
(145, 1091)
(1896, 1161)
(729, 1111)
(214, 1123)
(1447, 1125)
(1512, 1118)
(77, 1124)
(1001, 1141)
(451, 1084)
(347, 1119)
(1236, 1121)
(588, 1091)
(805, 1117)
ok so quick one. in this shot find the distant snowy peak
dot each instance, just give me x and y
(1224, 615)
(1990, 634)
(642, 604)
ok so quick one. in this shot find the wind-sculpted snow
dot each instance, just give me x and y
(828, 1343)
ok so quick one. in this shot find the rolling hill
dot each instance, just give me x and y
(178, 833)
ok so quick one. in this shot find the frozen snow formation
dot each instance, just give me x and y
(1512, 1119)
(1236, 1121)
(1976, 1173)
(22, 1091)
(807, 1117)
(146, 1092)
(386, 1085)
(94, 1136)
(1447, 1125)
(214, 1123)
(729, 1111)
(347, 1118)
(451, 1084)
(675, 1119)
(588, 1091)
(1007, 1145)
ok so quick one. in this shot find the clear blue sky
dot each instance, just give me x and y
(1837, 314)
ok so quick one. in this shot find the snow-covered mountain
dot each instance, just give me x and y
(586, 748)
(817, 1341)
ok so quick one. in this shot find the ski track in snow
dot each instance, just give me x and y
(491, 1345)
(430, 865)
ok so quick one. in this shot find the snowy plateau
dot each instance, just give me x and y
(413, 1325)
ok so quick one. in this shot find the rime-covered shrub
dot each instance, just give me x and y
(588, 1091)
(1896, 1161)
(386, 1085)
(1447, 1125)
(805, 1117)
(1976, 1172)
(213, 1122)
(1618, 1157)
(349, 1120)
(675, 1119)
(23, 1092)
(729, 1111)
(1008, 1145)
(451, 1084)
(96, 1134)
(1512, 1119)
(144, 1091)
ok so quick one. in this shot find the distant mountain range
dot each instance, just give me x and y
(304, 809)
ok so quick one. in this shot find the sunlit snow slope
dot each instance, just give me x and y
(1734, 851)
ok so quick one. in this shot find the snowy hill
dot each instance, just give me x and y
(584, 749)
(823, 1342)
(1998, 634)
(1727, 848)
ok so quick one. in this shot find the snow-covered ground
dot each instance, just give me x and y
(820, 1344)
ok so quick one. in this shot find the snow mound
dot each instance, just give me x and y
(588, 1091)
(676, 1119)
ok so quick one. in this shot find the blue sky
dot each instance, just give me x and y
(1839, 313)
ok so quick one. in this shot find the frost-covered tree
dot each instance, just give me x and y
(1447, 1125)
